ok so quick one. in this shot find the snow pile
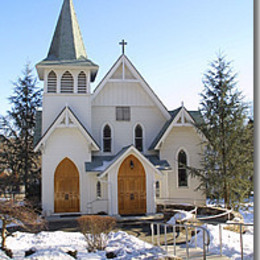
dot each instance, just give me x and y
(180, 215)
(55, 245)
(230, 242)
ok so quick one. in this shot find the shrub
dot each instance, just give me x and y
(95, 230)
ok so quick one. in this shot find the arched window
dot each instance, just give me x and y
(107, 139)
(82, 83)
(99, 189)
(52, 82)
(182, 171)
(67, 83)
(157, 189)
(139, 138)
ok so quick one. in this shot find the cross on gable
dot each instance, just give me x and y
(123, 43)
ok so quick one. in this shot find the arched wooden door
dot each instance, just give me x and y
(131, 187)
(66, 187)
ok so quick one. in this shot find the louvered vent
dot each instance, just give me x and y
(66, 83)
(52, 82)
(82, 83)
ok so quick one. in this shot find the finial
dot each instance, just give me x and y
(123, 43)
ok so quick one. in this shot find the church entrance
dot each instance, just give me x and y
(131, 187)
(66, 187)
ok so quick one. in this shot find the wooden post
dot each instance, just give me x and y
(204, 246)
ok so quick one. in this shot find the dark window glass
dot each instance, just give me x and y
(123, 113)
(139, 138)
(98, 189)
(182, 171)
(107, 139)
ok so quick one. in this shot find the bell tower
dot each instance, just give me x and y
(66, 71)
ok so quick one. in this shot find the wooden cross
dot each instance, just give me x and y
(123, 43)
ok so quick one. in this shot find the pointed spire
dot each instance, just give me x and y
(67, 42)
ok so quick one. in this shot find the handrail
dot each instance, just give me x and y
(228, 212)
(186, 226)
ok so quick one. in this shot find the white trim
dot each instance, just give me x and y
(123, 59)
(135, 152)
(177, 167)
(57, 124)
(112, 138)
(124, 80)
(181, 114)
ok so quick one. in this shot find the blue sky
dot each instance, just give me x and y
(171, 42)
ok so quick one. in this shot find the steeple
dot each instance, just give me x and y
(67, 47)
(67, 42)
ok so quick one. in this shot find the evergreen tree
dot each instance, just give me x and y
(227, 165)
(18, 128)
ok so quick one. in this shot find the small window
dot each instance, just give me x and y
(82, 83)
(52, 82)
(182, 171)
(107, 139)
(99, 189)
(157, 189)
(123, 113)
(66, 83)
(139, 138)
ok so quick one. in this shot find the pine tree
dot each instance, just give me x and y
(18, 127)
(227, 165)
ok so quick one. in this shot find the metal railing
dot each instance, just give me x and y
(241, 225)
(165, 226)
(206, 242)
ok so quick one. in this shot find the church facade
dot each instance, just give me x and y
(116, 150)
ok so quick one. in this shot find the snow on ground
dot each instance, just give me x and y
(230, 242)
(54, 245)
(181, 215)
(230, 239)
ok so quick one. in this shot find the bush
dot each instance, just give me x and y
(95, 230)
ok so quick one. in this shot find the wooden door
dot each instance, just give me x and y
(66, 187)
(131, 187)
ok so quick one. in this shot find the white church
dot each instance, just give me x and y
(116, 150)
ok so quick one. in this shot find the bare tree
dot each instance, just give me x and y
(22, 215)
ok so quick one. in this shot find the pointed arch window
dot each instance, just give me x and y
(67, 83)
(107, 139)
(182, 171)
(99, 193)
(157, 189)
(139, 138)
(52, 82)
(82, 83)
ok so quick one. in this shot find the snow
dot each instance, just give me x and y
(181, 215)
(230, 239)
(54, 245)
(230, 242)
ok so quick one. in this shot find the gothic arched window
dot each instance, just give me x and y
(82, 83)
(67, 83)
(52, 82)
(157, 189)
(182, 171)
(107, 139)
(99, 189)
(139, 138)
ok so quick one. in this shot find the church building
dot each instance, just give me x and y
(116, 150)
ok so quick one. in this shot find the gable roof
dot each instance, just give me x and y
(103, 165)
(195, 117)
(124, 59)
(67, 47)
(67, 112)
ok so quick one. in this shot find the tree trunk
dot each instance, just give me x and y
(3, 234)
